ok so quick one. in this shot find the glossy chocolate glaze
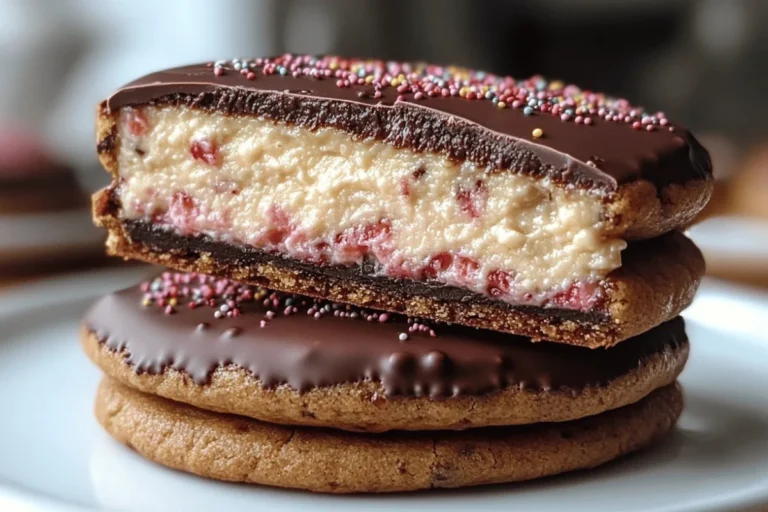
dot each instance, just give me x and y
(306, 352)
(498, 139)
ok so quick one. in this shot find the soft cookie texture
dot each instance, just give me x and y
(241, 450)
(327, 364)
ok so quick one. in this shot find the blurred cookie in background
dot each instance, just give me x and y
(44, 212)
(748, 189)
(31, 180)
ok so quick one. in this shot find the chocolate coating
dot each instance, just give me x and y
(306, 352)
(498, 139)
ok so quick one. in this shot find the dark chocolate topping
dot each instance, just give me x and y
(603, 155)
(307, 352)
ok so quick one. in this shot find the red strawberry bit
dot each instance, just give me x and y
(405, 187)
(464, 198)
(320, 252)
(580, 296)
(376, 232)
(466, 268)
(136, 121)
(206, 151)
(183, 212)
(278, 217)
(472, 201)
(275, 236)
(356, 243)
(280, 226)
(438, 264)
(499, 283)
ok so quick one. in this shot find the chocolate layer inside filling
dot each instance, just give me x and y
(326, 347)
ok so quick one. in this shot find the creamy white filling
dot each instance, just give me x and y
(322, 196)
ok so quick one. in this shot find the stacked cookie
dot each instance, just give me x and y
(391, 276)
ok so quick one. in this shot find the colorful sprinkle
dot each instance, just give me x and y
(403, 81)
(537, 133)
(229, 299)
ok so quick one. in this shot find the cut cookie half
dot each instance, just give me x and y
(435, 178)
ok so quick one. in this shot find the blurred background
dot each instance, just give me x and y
(703, 62)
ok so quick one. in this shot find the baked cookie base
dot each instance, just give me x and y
(657, 280)
(364, 406)
(236, 449)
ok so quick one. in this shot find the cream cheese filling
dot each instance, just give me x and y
(322, 196)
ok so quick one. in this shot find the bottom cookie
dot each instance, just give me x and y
(238, 449)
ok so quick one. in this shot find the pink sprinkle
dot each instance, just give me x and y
(565, 117)
(588, 121)
(650, 128)
(169, 310)
(263, 323)
(383, 317)
(637, 125)
(218, 71)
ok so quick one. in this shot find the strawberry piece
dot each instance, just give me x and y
(183, 212)
(280, 226)
(206, 151)
(356, 243)
(472, 201)
(580, 296)
(136, 121)
(499, 283)
(466, 268)
(437, 264)
(405, 187)
(376, 232)
(464, 198)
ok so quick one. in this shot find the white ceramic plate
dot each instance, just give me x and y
(49, 234)
(732, 241)
(54, 457)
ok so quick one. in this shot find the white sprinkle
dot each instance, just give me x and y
(403, 336)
